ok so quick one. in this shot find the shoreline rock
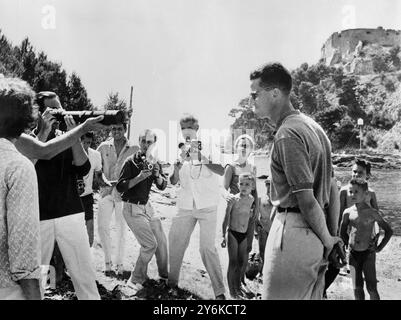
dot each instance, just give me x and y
(377, 160)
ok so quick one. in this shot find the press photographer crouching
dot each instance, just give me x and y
(135, 182)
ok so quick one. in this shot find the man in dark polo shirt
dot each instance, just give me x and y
(299, 241)
(134, 183)
(61, 211)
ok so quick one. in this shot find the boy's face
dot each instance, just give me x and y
(357, 194)
(245, 186)
(86, 143)
(359, 172)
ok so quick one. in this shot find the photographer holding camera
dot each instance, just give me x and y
(61, 212)
(198, 198)
(135, 182)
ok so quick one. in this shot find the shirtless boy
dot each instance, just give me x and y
(361, 218)
(236, 219)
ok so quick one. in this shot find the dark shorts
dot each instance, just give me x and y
(87, 202)
(239, 236)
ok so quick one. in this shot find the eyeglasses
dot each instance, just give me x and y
(117, 129)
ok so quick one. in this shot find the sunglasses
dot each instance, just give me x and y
(255, 94)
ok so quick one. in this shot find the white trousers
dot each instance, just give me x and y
(12, 293)
(73, 242)
(106, 207)
(181, 229)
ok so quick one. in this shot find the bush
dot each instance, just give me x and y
(370, 140)
(381, 63)
(389, 85)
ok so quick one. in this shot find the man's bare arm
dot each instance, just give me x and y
(333, 212)
(34, 149)
(175, 177)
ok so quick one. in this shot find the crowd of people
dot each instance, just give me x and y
(302, 221)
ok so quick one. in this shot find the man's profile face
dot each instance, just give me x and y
(189, 130)
(261, 99)
(118, 131)
(53, 103)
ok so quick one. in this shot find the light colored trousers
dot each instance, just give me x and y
(149, 233)
(181, 229)
(73, 242)
(12, 293)
(294, 267)
(105, 211)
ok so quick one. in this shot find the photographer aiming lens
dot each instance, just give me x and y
(50, 106)
(61, 211)
(198, 198)
(135, 182)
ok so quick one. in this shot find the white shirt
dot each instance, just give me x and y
(95, 160)
(199, 186)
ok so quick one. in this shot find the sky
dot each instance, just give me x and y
(183, 55)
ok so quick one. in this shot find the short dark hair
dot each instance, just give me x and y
(273, 74)
(364, 164)
(41, 97)
(124, 124)
(89, 134)
(16, 107)
(360, 183)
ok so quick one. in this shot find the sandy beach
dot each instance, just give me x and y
(194, 279)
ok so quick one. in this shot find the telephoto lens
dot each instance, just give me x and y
(110, 116)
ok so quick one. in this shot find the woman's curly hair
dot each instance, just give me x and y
(16, 107)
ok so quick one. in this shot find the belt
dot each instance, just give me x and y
(290, 209)
(141, 202)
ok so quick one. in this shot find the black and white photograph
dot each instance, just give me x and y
(196, 150)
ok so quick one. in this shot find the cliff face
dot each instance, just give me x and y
(348, 48)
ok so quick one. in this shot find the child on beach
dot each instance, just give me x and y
(360, 218)
(236, 219)
(360, 170)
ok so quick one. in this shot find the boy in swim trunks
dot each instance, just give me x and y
(236, 219)
(360, 218)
